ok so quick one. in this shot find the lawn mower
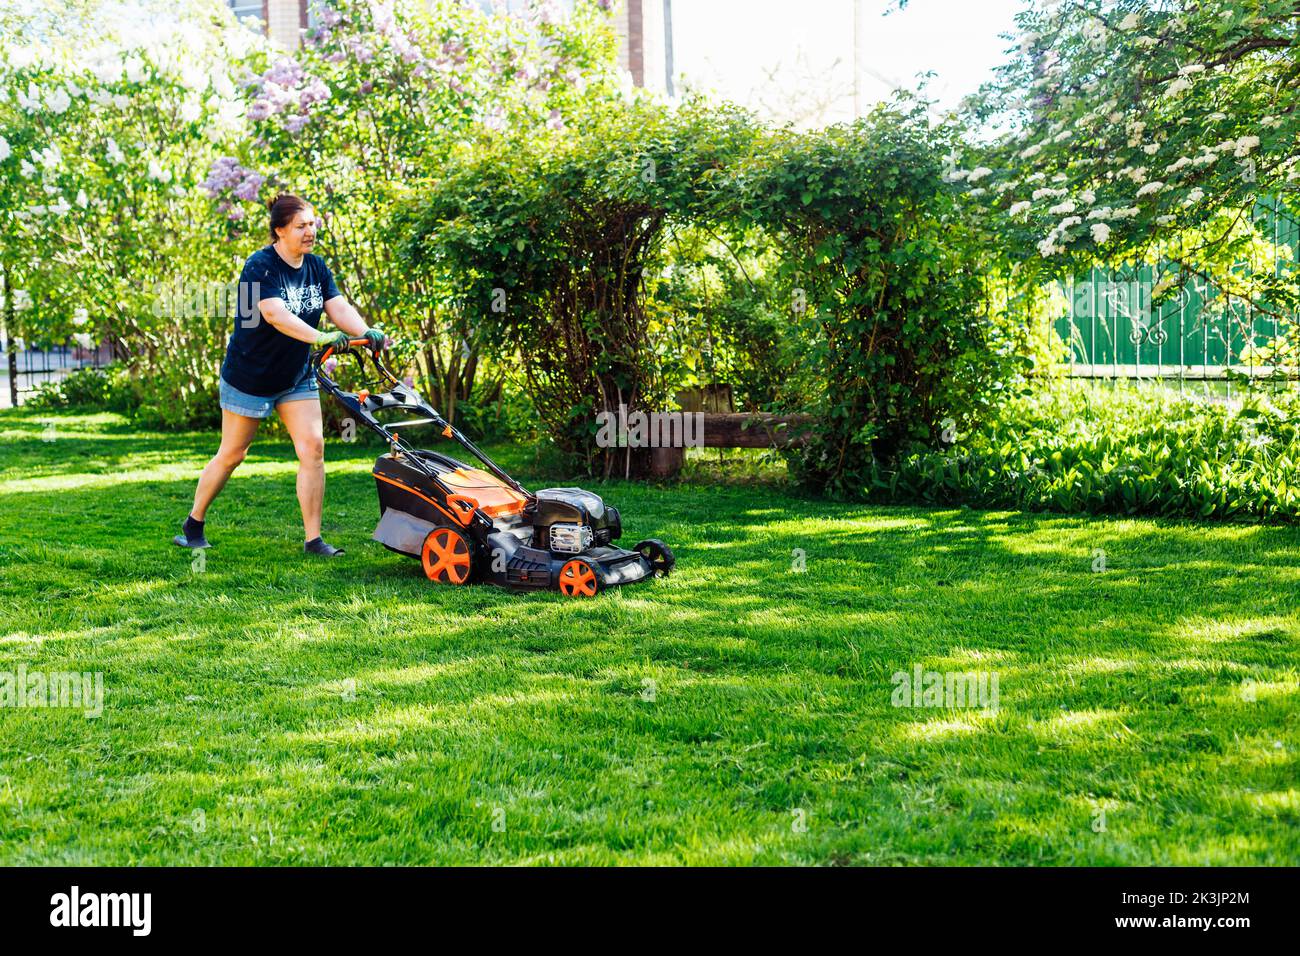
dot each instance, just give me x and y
(478, 524)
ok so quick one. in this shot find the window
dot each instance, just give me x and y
(246, 8)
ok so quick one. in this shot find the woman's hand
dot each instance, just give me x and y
(338, 341)
(375, 338)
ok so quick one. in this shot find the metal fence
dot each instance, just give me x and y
(1112, 329)
(28, 369)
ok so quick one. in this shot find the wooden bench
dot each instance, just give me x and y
(735, 430)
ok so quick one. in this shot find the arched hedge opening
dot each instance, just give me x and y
(567, 252)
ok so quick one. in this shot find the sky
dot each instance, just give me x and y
(793, 59)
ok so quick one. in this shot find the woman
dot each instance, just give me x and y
(283, 291)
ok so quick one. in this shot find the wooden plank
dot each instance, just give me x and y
(754, 430)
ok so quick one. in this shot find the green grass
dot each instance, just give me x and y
(227, 691)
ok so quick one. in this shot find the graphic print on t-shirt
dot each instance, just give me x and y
(303, 298)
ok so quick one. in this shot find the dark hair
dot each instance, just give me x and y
(283, 208)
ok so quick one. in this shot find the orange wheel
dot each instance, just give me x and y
(446, 556)
(577, 579)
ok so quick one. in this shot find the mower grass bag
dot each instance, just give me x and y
(467, 523)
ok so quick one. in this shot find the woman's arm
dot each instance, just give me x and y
(278, 314)
(345, 316)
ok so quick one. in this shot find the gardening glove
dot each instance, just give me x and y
(375, 338)
(338, 341)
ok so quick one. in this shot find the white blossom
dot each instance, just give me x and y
(1130, 22)
(1152, 187)
(1178, 164)
(58, 100)
(1048, 194)
(1100, 233)
(1088, 196)
(80, 317)
(1019, 207)
(5, 151)
(31, 100)
(27, 169)
(84, 340)
(1031, 152)
(158, 172)
(978, 173)
(1195, 196)
(1245, 145)
(1180, 85)
(1061, 209)
(115, 154)
(108, 70)
(49, 157)
(134, 70)
(82, 199)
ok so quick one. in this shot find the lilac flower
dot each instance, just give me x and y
(286, 72)
(294, 124)
(315, 92)
(248, 188)
(366, 87)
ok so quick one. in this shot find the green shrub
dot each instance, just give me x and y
(509, 416)
(884, 282)
(1073, 447)
(82, 388)
(553, 242)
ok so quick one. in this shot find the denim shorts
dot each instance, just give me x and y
(261, 406)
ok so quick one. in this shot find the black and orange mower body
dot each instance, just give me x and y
(467, 524)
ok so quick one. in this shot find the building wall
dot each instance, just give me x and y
(640, 24)
(285, 21)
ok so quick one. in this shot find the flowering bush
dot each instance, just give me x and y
(108, 132)
(348, 121)
(1130, 123)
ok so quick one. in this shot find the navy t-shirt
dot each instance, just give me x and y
(260, 359)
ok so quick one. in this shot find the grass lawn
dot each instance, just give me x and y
(276, 709)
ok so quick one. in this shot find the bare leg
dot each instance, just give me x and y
(237, 433)
(303, 420)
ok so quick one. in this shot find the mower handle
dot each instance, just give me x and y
(352, 343)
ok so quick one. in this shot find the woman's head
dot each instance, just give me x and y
(293, 223)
